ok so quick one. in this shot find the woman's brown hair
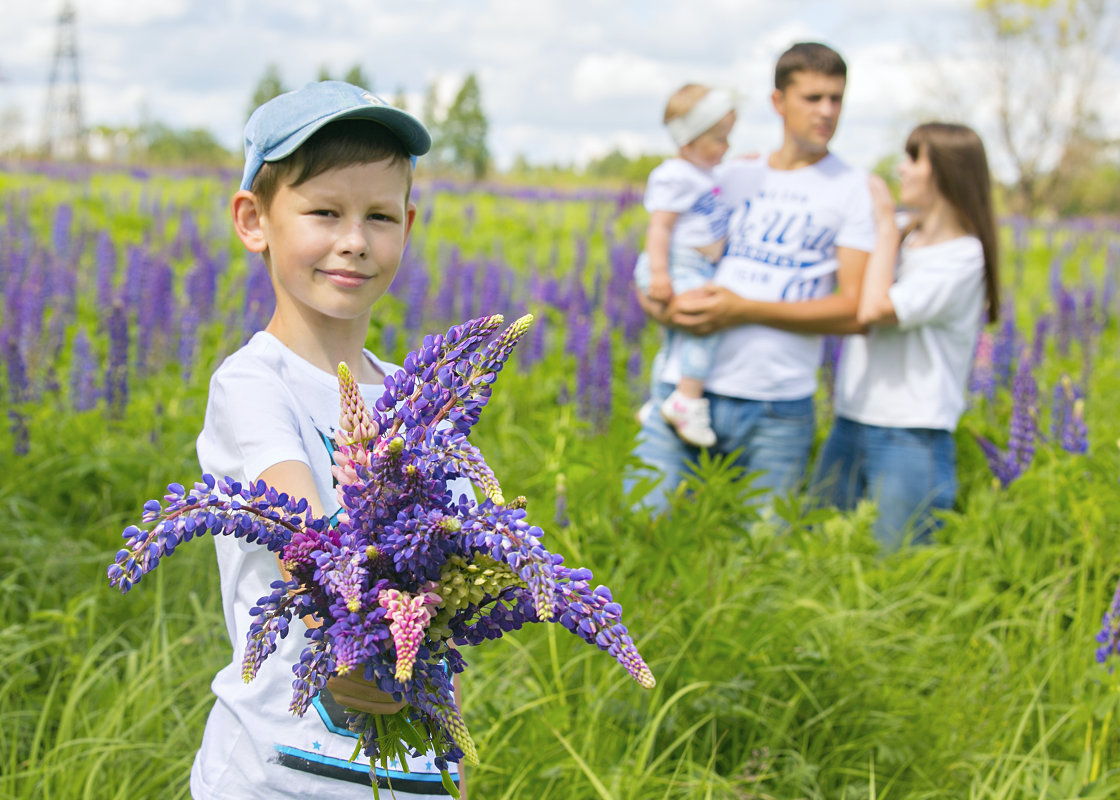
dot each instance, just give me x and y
(960, 173)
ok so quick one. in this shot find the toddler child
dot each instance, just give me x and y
(685, 239)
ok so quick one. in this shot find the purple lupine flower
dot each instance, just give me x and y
(105, 261)
(260, 300)
(1041, 333)
(596, 396)
(1001, 462)
(155, 314)
(389, 340)
(1024, 415)
(83, 378)
(116, 376)
(1066, 320)
(402, 538)
(982, 380)
(536, 349)
(1109, 636)
(1008, 464)
(61, 234)
(1004, 348)
(1067, 417)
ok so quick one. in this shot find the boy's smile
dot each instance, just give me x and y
(335, 241)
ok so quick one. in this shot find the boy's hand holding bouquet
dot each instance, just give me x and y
(406, 569)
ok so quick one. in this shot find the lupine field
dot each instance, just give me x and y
(792, 659)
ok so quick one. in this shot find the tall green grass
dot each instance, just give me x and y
(793, 661)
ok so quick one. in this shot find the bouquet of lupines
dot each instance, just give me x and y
(408, 569)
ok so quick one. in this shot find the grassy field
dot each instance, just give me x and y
(793, 661)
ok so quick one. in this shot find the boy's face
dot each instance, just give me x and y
(335, 241)
(810, 106)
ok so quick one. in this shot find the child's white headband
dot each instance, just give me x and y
(702, 117)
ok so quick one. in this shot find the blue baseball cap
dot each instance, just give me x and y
(277, 128)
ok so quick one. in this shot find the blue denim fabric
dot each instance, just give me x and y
(772, 437)
(909, 472)
(687, 270)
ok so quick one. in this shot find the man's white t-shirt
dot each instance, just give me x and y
(682, 187)
(268, 405)
(916, 375)
(784, 231)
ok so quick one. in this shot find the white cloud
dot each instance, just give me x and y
(562, 80)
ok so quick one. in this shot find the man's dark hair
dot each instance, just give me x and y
(339, 144)
(808, 57)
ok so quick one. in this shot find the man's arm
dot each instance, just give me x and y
(713, 308)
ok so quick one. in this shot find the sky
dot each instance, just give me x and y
(562, 81)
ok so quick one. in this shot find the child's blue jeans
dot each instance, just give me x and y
(687, 270)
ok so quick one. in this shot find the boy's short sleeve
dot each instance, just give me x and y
(250, 424)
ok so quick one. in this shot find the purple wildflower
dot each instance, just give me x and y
(1109, 636)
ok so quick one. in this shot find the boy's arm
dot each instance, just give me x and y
(659, 234)
(875, 304)
(295, 479)
(713, 308)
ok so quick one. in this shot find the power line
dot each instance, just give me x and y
(63, 128)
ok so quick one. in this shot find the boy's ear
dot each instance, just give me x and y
(409, 218)
(245, 208)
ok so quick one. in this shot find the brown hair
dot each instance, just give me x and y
(960, 173)
(808, 57)
(338, 144)
(683, 99)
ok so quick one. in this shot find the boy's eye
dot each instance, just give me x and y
(323, 212)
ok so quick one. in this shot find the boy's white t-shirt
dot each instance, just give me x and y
(682, 187)
(915, 375)
(782, 239)
(268, 405)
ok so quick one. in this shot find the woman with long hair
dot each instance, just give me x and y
(900, 386)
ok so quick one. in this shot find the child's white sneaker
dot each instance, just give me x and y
(690, 417)
(646, 411)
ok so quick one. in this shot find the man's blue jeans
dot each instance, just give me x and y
(772, 436)
(909, 472)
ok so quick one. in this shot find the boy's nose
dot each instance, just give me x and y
(354, 242)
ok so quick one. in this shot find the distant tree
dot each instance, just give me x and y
(324, 73)
(1045, 76)
(358, 77)
(462, 133)
(887, 169)
(194, 146)
(617, 165)
(400, 100)
(269, 86)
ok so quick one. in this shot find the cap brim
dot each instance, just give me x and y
(405, 127)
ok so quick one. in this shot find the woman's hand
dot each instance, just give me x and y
(353, 691)
(882, 204)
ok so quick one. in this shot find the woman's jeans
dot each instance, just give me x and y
(909, 472)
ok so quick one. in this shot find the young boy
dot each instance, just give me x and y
(685, 239)
(325, 200)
